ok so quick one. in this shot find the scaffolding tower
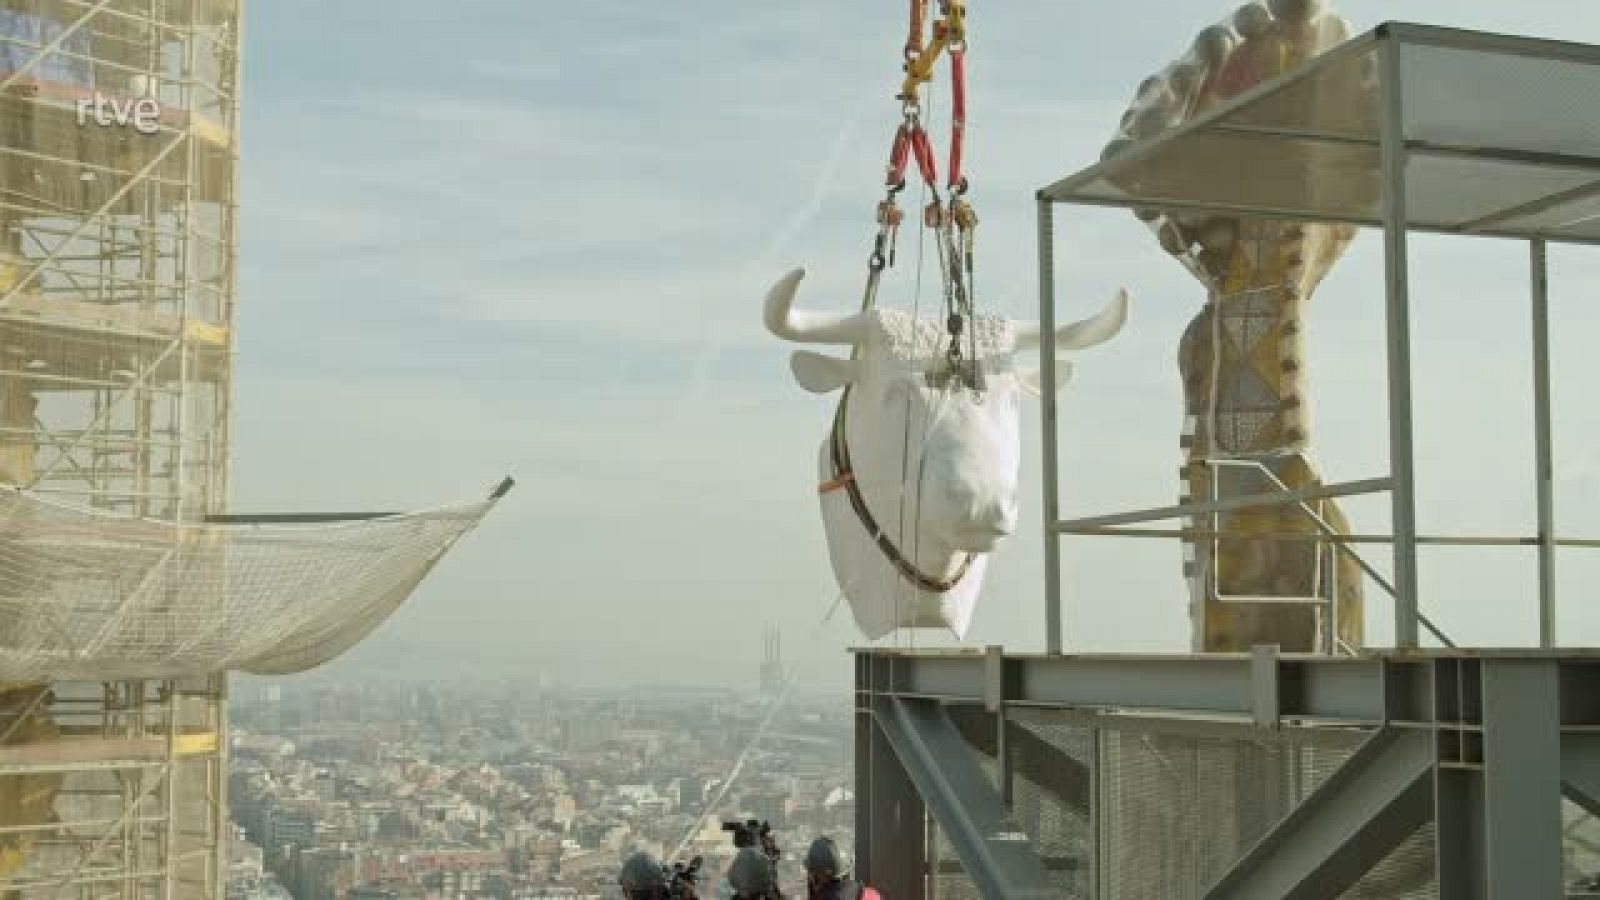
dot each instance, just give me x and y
(118, 224)
(127, 589)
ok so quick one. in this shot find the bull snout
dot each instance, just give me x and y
(982, 517)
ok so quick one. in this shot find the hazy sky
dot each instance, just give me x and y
(495, 236)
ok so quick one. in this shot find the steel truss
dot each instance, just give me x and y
(1486, 744)
(1453, 772)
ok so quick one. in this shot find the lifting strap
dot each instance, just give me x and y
(953, 222)
(839, 452)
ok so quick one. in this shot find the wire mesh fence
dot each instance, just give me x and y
(1159, 809)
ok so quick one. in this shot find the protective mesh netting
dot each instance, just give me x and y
(1176, 806)
(90, 596)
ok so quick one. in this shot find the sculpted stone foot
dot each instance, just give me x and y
(1243, 358)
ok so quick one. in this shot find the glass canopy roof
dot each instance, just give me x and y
(1502, 137)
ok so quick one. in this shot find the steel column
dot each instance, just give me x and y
(891, 837)
(1499, 819)
(1544, 464)
(1048, 424)
(994, 701)
(1402, 462)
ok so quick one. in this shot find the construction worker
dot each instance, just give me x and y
(826, 877)
(753, 876)
(642, 878)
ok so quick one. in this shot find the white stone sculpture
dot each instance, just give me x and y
(919, 474)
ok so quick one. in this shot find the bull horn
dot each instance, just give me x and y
(1102, 327)
(804, 327)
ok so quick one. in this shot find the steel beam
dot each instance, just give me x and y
(295, 518)
(1349, 824)
(1228, 504)
(1338, 689)
(1361, 691)
(994, 852)
(1058, 773)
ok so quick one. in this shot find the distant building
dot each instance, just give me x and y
(772, 663)
(691, 791)
(287, 829)
(246, 862)
(371, 801)
(325, 873)
(387, 891)
(584, 734)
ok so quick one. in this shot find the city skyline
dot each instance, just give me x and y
(390, 790)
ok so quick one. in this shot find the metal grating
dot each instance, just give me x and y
(1177, 803)
(1052, 759)
(1407, 873)
(1175, 811)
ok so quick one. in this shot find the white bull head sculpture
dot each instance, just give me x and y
(919, 475)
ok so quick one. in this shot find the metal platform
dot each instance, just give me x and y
(1411, 772)
(1426, 774)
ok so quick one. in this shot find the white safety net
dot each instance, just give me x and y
(90, 596)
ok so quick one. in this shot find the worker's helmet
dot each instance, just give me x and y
(641, 873)
(823, 858)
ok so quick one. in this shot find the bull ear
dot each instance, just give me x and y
(821, 374)
(1029, 378)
